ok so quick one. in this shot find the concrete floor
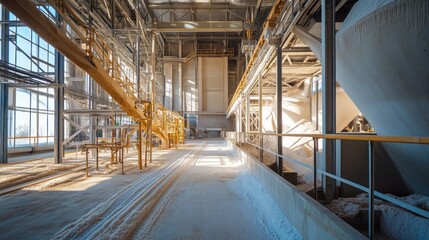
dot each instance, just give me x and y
(210, 195)
(207, 206)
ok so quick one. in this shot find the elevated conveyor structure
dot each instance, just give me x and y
(91, 54)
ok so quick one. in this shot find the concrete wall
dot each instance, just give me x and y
(311, 220)
(216, 121)
(213, 84)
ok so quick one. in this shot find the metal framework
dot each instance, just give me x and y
(317, 170)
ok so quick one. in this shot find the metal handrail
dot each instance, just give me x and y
(374, 138)
(370, 189)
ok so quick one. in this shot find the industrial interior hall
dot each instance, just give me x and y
(214, 119)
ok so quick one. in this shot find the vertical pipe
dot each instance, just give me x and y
(247, 113)
(371, 190)
(317, 105)
(113, 25)
(87, 170)
(4, 92)
(279, 111)
(261, 138)
(96, 159)
(150, 142)
(329, 90)
(152, 105)
(315, 148)
(180, 75)
(238, 123)
(90, 8)
(140, 144)
(137, 51)
(91, 103)
(146, 144)
(122, 159)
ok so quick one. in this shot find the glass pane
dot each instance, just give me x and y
(22, 98)
(11, 128)
(22, 131)
(43, 44)
(43, 102)
(42, 141)
(34, 100)
(33, 130)
(23, 61)
(12, 17)
(23, 44)
(51, 104)
(35, 37)
(43, 124)
(12, 52)
(51, 125)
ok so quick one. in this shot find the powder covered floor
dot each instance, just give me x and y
(201, 191)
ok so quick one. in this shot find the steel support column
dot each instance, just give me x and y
(371, 187)
(247, 113)
(329, 92)
(59, 105)
(279, 111)
(59, 109)
(92, 119)
(261, 138)
(4, 92)
(5, 36)
(4, 97)
(152, 112)
(180, 107)
(137, 52)
(240, 120)
(140, 146)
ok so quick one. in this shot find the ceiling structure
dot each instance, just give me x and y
(221, 22)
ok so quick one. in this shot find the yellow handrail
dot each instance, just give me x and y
(355, 137)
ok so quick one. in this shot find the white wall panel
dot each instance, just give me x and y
(213, 87)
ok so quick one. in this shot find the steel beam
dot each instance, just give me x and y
(202, 6)
(199, 26)
(4, 96)
(279, 110)
(329, 92)
(59, 109)
(203, 38)
(100, 112)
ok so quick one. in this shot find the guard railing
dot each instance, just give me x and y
(256, 140)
